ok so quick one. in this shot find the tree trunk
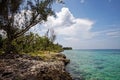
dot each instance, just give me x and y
(10, 48)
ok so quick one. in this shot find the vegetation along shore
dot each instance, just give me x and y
(25, 55)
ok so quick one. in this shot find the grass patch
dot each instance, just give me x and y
(45, 55)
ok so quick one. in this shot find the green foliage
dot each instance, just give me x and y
(33, 42)
(18, 16)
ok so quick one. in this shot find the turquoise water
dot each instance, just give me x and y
(94, 64)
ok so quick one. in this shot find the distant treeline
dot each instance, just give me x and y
(67, 48)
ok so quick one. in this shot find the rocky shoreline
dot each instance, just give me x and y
(25, 67)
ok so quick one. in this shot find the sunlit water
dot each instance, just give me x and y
(94, 64)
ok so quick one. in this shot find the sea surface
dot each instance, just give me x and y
(94, 64)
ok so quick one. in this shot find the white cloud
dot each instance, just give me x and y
(76, 32)
(66, 24)
(108, 33)
(113, 33)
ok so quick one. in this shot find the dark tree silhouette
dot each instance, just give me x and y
(18, 16)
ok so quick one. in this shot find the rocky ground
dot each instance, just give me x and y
(25, 67)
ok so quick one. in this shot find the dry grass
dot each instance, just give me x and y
(45, 55)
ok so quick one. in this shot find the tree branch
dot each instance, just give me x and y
(31, 24)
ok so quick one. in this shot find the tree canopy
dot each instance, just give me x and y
(18, 16)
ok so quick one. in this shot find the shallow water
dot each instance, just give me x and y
(94, 64)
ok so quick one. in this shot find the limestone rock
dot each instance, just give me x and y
(25, 67)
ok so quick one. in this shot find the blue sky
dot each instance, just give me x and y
(86, 24)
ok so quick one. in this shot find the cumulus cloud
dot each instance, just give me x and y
(66, 24)
(72, 31)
